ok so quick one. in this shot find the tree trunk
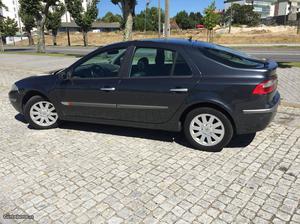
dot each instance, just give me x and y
(30, 38)
(1, 44)
(54, 35)
(40, 38)
(54, 40)
(40, 22)
(85, 38)
(128, 15)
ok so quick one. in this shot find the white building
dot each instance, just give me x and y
(269, 8)
(286, 7)
(12, 11)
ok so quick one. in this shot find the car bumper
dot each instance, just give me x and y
(15, 100)
(253, 120)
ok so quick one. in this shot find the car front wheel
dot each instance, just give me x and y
(40, 113)
(208, 129)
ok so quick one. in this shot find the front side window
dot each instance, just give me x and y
(103, 65)
(158, 62)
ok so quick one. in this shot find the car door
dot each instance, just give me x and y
(157, 82)
(90, 91)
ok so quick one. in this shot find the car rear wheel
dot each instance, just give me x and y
(207, 129)
(40, 113)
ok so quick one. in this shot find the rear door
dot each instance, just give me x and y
(157, 82)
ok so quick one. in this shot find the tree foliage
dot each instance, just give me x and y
(28, 23)
(83, 18)
(242, 15)
(39, 9)
(53, 21)
(211, 19)
(128, 11)
(188, 21)
(2, 5)
(109, 17)
(8, 27)
(151, 22)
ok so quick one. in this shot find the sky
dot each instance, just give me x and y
(175, 6)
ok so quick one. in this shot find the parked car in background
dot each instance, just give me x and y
(208, 91)
(200, 26)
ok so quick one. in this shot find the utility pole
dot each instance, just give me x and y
(167, 19)
(298, 23)
(230, 20)
(145, 26)
(159, 19)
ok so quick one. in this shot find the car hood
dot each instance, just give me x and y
(53, 72)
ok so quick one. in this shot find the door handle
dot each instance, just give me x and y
(108, 89)
(179, 90)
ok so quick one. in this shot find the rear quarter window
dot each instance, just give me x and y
(230, 58)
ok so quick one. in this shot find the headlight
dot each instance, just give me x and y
(14, 88)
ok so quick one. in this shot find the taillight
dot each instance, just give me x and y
(265, 87)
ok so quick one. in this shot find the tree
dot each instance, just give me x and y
(53, 21)
(39, 9)
(29, 23)
(1, 20)
(2, 5)
(8, 28)
(128, 10)
(242, 15)
(196, 18)
(188, 21)
(210, 20)
(183, 20)
(152, 20)
(83, 18)
(109, 17)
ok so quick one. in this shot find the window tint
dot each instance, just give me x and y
(181, 67)
(232, 58)
(152, 62)
(102, 65)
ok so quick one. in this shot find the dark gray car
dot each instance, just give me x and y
(208, 91)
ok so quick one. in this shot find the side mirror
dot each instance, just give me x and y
(65, 75)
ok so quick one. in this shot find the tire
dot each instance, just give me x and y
(212, 130)
(38, 111)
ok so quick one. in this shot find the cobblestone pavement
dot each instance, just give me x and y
(289, 84)
(82, 172)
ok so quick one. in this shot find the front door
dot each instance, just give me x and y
(159, 81)
(91, 91)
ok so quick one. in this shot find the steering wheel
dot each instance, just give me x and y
(98, 71)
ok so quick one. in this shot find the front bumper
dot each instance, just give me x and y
(253, 120)
(15, 100)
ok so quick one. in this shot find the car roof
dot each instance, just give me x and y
(172, 41)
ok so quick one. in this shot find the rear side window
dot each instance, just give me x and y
(158, 62)
(231, 58)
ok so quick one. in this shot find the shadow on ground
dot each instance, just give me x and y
(238, 141)
(284, 65)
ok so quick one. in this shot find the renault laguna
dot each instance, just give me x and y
(208, 91)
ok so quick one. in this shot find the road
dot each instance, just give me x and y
(277, 53)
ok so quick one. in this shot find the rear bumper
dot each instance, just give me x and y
(253, 120)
